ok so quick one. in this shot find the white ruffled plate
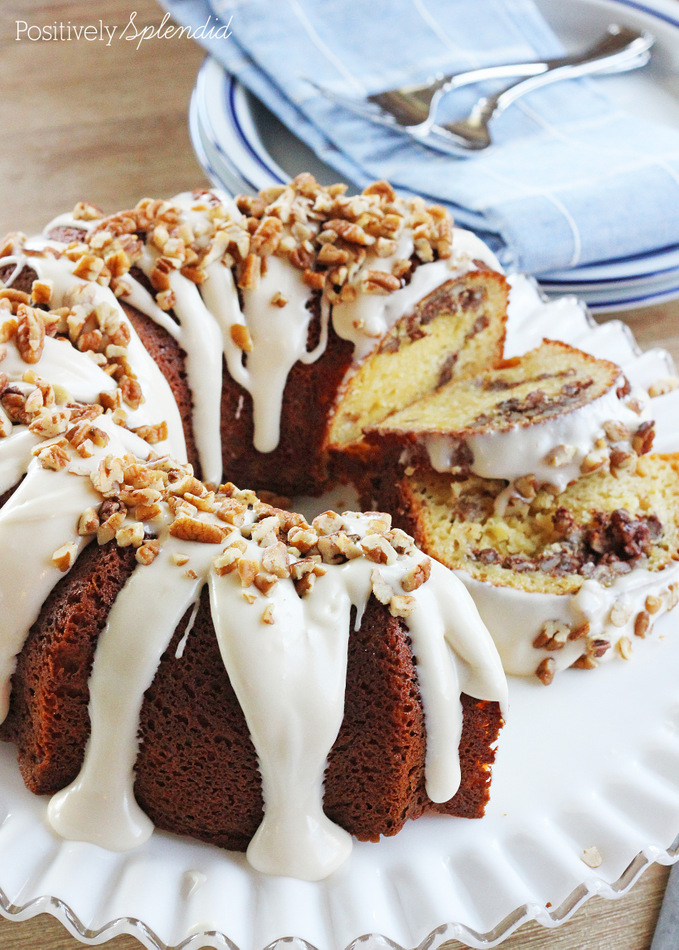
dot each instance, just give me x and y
(591, 761)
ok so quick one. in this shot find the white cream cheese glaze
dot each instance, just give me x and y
(62, 361)
(515, 617)
(513, 451)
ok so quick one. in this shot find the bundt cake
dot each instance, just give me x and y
(284, 322)
(560, 580)
(542, 418)
(195, 657)
(191, 656)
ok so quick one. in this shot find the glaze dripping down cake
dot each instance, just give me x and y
(285, 321)
(543, 418)
(229, 621)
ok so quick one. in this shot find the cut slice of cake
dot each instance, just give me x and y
(560, 581)
(457, 329)
(542, 418)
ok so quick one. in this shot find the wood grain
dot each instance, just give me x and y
(109, 124)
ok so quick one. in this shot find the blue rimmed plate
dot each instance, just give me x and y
(248, 148)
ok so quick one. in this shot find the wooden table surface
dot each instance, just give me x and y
(83, 120)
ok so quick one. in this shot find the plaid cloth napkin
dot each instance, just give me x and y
(570, 180)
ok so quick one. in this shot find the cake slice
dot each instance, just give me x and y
(542, 418)
(459, 328)
(567, 580)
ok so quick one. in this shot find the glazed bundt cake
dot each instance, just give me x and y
(560, 580)
(189, 655)
(179, 634)
(284, 322)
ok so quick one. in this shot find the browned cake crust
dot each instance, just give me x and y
(298, 464)
(197, 769)
(171, 360)
(48, 716)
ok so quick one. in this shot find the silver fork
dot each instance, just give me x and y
(619, 52)
(413, 109)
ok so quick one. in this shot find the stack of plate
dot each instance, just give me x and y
(243, 147)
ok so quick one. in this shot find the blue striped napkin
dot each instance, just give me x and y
(570, 180)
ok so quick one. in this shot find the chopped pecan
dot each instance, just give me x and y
(621, 611)
(379, 282)
(88, 522)
(642, 440)
(553, 635)
(152, 433)
(64, 557)
(616, 431)
(41, 291)
(327, 523)
(402, 605)
(227, 561)
(416, 576)
(131, 392)
(192, 529)
(247, 571)
(377, 548)
(380, 588)
(642, 623)
(54, 456)
(148, 552)
(241, 337)
(597, 648)
(249, 272)
(592, 857)
(130, 535)
(275, 560)
(30, 334)
(545, 670)
(302, 538)
(663, 386)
